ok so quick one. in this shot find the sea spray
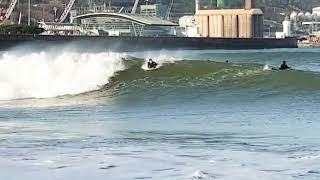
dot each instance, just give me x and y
(267, 68)
(51, 74)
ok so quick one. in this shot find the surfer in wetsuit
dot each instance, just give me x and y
(284, 66)
(152, 64)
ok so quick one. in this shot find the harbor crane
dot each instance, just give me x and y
(14, 2)
(64, 14)
(66, 11)
(167, 17)
(135, 6)
(9, 10)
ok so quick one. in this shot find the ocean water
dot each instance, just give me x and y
(67, 114)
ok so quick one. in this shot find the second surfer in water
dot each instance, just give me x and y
(284, 66)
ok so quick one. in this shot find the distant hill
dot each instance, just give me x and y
(272, 8)
(305, 5)
(276, 10)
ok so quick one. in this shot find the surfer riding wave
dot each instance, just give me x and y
(152, 64)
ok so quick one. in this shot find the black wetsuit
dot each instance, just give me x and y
(284, 67)
(152, 64)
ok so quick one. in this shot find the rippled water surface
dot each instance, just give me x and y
(103, 115)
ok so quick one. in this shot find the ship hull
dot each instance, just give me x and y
(148, 43)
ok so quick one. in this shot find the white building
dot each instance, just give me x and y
(112, 24)
(188, 26)
(286, 28)
(312, 27)
(316, 11)
(286, 32)
(60, 28)
(152, 10)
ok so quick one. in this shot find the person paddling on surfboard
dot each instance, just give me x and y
(284, 66)
(152, 64)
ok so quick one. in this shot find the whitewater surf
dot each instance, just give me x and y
(50, 74)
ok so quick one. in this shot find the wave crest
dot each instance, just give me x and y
(51, 74)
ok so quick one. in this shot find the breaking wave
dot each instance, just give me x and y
(50, 74)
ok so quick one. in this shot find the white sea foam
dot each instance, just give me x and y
(267, 67)
(199, 175)
(49, 74)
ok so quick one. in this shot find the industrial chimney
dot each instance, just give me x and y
(249, 4)
(197, 6)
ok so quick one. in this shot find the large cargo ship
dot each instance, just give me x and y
(148, 43)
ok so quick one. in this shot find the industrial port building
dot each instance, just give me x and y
(212, 18)
(217, 21)
(111, 24)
